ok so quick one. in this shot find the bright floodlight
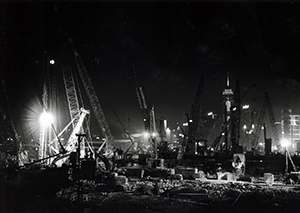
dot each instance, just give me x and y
(285, 143)
(246, 107)
(46, 119)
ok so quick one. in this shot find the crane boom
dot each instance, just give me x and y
(73, 139)
(70, 91)
(272, 119)
(195, 115)
(71, 144)
(142, 100)
(266, 106)
(9, 138)
(92, 96)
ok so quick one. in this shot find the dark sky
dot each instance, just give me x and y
(172, 45)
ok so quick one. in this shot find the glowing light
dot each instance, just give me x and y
(285, 143)
(52, 62)
(246, 107)
(185, 124)
(46, 119)
(146, 134)
(190, 120)
(244, 127)
(210, 113)
(153, 134)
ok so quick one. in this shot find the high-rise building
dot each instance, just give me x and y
(290, 125)
(228, 101)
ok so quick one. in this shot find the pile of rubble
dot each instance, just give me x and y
(165, 195)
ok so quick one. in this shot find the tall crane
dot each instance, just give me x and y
(72, 141)
(265, 106)
(141, 99)
(70, 88)
(9, 139)
(194, 119)
(93, 98)
(148, 115)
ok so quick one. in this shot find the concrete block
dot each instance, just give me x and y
(268, 178)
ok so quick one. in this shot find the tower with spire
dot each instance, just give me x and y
(228, 101)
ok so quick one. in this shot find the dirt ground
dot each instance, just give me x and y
(166, 195)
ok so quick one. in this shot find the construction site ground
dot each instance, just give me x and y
(164, 195)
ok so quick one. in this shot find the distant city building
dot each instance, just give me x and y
(290, 126)
(228, 101)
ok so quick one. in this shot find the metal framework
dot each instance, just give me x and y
(9, 137)
(92, 96)
(71, 93)
(266, 106)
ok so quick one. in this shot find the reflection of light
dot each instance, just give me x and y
(52, 62)
(153, 134)
(210, 113)
(168, 130)
(285, 143)
(146, 134)
(185, 124)
(252, 126)
(246, 107)
(244, 127)
(261, 144)
(190, 120)
(46, 119)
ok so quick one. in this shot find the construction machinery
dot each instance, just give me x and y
(10, 141)
(72, 141)
(93, 98)
(195, 124)
(266, 106)
(230, 126)
(148, 116)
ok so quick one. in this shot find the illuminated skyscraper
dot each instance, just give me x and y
(228, 101)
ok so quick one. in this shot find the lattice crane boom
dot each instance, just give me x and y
(272, 119)
(266, 106)
(142, 100)
(92, 96)
(71, 93)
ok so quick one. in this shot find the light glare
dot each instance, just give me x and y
(285, 143)
(46, 119)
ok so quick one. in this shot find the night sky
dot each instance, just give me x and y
(171, 44)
